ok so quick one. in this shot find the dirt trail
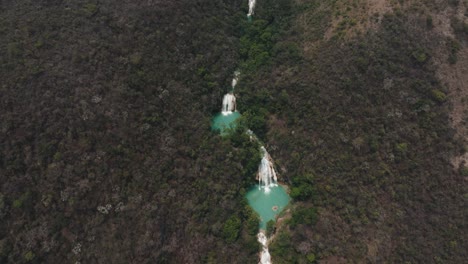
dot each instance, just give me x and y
(455, 78)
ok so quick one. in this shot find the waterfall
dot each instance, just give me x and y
(229, 100)
(266, 172)
(229, 104)
(251, 7)
(251, 135)
(265, 254)
(235, 79)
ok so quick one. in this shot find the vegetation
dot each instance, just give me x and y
(358, 125)
(270, 228)
(231, 229)
(105, 137)
(304, 216)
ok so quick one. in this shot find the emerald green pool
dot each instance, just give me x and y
(267, 204)
(222, 122)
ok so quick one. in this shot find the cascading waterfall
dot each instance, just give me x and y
(235, 79)
(269, 199)
(229, 100)
(226, 119)
(251, 7)
(266, 175)
(229, 104)
(265, 257)
(267, 178)
(266, 172)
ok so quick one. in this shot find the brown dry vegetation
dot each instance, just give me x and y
(368, 120)
(106, 154)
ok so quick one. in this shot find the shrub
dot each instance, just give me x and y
(304, 216)
(18, 203)
(464, 171)
(90, 9)
(311, 258)
(231, 229)
(454, 46)
(303, 188)
(270, 228)
(401, 148)
(429, 22)
(283, 248)
(438, 96)
(420, 56)
(251, 221)
(29, 256)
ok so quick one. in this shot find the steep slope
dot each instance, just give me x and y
(358, 120)
(106, 155)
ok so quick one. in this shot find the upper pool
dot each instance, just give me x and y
(224, 121)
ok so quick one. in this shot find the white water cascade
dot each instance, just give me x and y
(265, 257)
(229, 100)
(229, 104)
(251, 7)
(235, 79)
(266, 172)
(267, 178)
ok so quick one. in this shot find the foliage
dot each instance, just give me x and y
(251, 221)
(282, 249)
(270, 228)
(454, 47)
(29, 256)
(231, 229)
(109, 104)
(438, 96)
(311, 258)
(303, 187)
(464, 170)
(367, 115)
(304, 216)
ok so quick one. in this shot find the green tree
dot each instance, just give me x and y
(305, 216)
(270, 227)
(231, 229)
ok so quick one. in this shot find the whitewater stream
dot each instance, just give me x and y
(251, 7)
(267, 198)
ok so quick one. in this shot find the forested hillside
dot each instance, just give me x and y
(106, 153)
(360, 124)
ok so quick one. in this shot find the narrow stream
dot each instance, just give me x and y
(267, 198)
